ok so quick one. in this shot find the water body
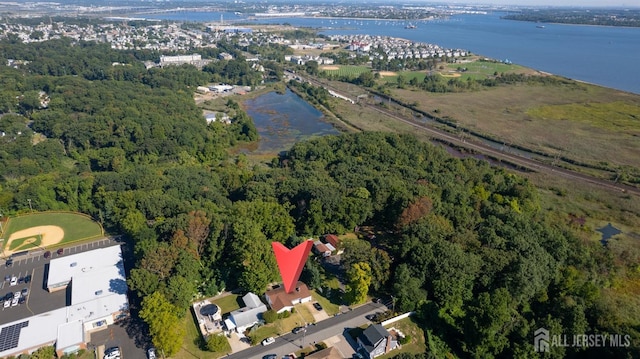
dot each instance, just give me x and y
(284, 119)
(607, 56)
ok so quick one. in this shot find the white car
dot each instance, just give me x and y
(14, 302)
(7, 303)
(112, 353)
(268, 341)
(151, 353)
(14, 281)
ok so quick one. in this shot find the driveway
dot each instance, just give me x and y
(238, 343)
(316, 333)
(318, 315)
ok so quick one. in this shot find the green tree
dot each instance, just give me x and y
(359, 280)
(44, 353)
(165, 326)
(217, 343)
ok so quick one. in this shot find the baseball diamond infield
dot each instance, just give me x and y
(42, 230)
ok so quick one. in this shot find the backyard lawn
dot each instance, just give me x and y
(192, 343)
(409, 328)
(228, 303)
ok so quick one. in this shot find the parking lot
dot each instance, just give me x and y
(34, 266)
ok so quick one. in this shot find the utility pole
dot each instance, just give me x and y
(304, 334)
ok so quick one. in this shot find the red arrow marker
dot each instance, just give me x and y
(291, 262)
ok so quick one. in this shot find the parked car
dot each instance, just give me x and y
(25, 291)
(270, 356)
(47, 254)
(7, 277)
(22, 300)
(7, 303)
(15, 301)
(268, 341)
(14, 281)
(17, 294)
(297, 330)
(112, 353)
(317, 306)
(9, 296)
(20, 280)
(151, 353)
(9, 262)
(27, 279)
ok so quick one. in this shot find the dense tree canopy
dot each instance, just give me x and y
(465, 245)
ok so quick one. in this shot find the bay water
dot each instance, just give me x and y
(607, 56)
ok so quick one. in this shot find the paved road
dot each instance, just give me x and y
(480, 147)
(290, 342)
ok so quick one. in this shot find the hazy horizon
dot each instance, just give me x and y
(559, 3)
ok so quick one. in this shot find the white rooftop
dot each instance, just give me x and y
(70, 334)
(98, 289)
(93, 262)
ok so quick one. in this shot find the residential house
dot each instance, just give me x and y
(225, 56)
(217, 117)
(375, 341)
(247, 316)
(324, 249)
(279, 300)
(334, 241)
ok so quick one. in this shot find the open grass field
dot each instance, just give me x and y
(345, 70)
(578, 121)
(41, 230)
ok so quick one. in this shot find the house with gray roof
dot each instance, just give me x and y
(375, 341)
(247, 316)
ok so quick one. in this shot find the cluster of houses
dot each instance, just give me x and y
(374, 340)
(301, 60)
(395, 48)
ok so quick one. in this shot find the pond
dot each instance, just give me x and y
(284, 119)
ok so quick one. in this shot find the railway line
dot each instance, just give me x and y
(484, 149)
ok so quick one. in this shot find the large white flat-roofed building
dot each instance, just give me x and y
(98, 299)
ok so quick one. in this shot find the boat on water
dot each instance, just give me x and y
(411, 26)
(540, 26)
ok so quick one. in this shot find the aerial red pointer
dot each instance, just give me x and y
(291, 262)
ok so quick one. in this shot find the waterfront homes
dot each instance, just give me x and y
(395, 48)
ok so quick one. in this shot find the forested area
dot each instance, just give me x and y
(466, 245)
(601, 17)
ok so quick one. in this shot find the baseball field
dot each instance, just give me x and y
(47, 229)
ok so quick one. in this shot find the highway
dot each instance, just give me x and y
(289, 343)
(482, 148)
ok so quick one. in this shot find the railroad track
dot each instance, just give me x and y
(525, 162)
